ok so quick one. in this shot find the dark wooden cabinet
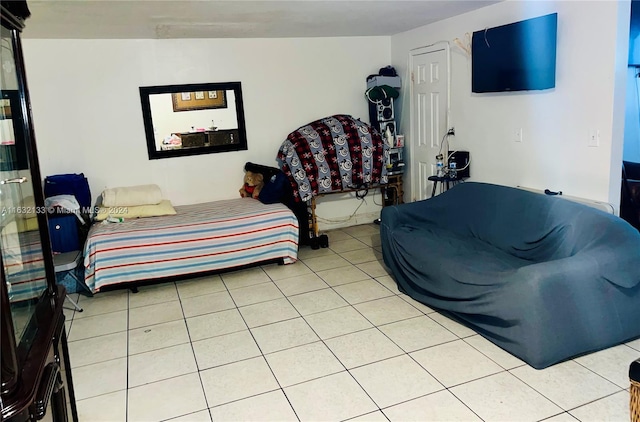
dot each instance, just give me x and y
(208, 138)
(224, 137)
(36, 382)
(194, 139)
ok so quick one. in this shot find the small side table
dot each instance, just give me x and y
(393, 192)
(445, 180)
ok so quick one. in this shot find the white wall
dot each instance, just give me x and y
(556, 123)
(87, 112)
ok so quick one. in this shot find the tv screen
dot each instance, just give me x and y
(519, 56)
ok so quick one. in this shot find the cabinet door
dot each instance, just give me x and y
(21, 247)
(190, 140)
(224, 137)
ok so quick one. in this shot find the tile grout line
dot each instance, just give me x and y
(377, 327)
(193, 352)
(379, 409)
(548, 398)
(593, 401)
(320, 339)
(601, 376)
(126, 396)
(334, 355)
(260, 349)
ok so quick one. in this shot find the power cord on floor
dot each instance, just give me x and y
(341, 220)
(359, 196)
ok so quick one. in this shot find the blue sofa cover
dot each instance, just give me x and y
(542, 277)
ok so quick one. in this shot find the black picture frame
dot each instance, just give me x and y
(215, 140)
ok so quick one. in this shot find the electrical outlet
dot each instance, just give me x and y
(594, 138)
(451, 131)
(517, 135)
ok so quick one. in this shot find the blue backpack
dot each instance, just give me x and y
(69, 184)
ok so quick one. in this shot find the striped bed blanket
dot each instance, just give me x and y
(333, 154)
(24, 267)
(199, 238)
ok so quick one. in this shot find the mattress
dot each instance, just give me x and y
(199, 238)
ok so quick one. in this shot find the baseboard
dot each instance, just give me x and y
(356, 220)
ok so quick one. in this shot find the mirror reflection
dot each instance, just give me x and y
(21, 252)
(193, 119)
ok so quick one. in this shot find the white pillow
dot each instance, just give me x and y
(132, 196)
(138, 211)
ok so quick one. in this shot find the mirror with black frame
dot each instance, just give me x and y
(193, 119)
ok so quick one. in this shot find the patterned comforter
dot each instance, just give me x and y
(333, 154)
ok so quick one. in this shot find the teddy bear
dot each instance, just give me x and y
(253, 183)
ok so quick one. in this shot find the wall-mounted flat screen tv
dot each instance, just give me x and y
(519, 56)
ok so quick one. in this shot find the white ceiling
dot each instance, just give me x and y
(235, 19)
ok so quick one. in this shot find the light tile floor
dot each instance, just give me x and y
(328, 338)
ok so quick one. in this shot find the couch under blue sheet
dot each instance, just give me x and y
(542, 277)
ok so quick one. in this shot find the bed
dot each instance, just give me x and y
(200, 238)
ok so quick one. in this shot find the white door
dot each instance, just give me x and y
(429, 105)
